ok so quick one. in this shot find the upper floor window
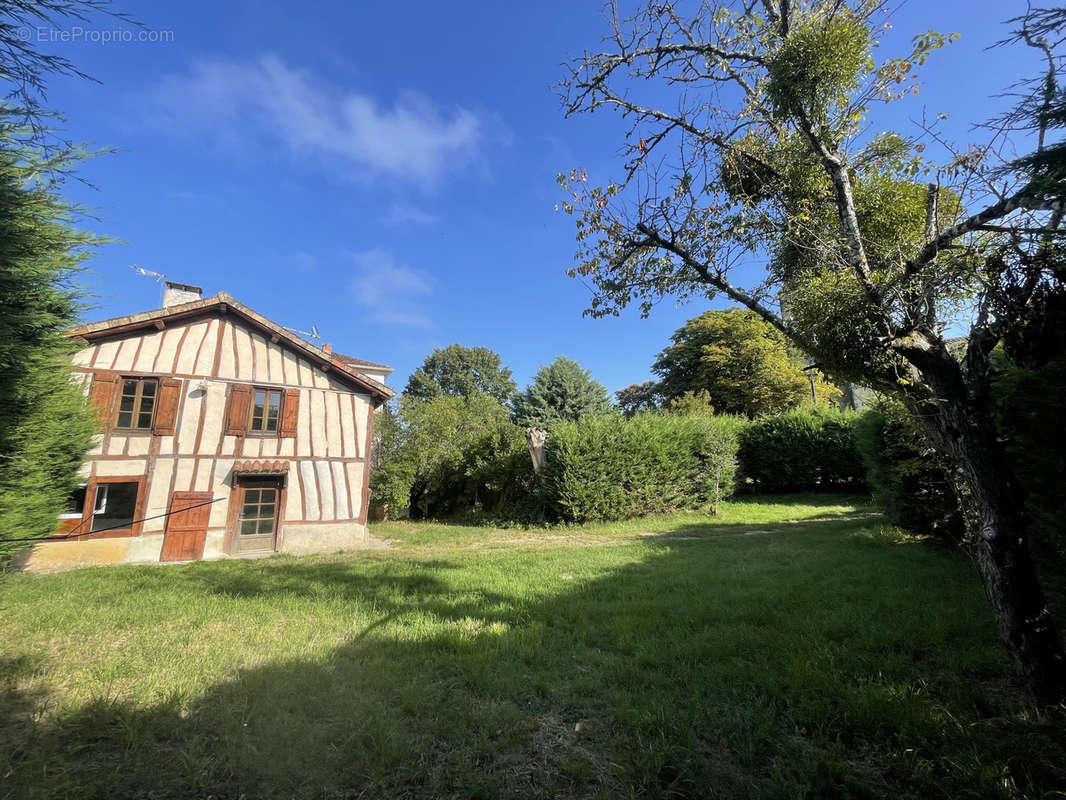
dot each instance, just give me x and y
(136, 407)
(262, 411)
(266, 411)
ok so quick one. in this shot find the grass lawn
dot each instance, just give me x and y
(666, 657)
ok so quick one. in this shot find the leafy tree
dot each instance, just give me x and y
(391, 473)
(461, 372)
(560, 391)
(692, 403)
(637, 397)
(759, 109)
(742, 362)
(440, 432)
(45, 422)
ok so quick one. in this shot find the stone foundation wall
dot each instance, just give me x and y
(294, 539)
(324, 538)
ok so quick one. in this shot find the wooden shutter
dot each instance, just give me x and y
(102, 396)
(238, 410)
(290, 413)
(166, 412)
(186, 528)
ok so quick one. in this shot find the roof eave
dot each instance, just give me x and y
(224, 303)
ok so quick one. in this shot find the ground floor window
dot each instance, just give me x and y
(75, 507)
(107, 506)
(114, 507)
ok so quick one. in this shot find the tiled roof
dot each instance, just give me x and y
(260, 467)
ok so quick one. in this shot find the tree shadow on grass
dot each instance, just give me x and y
(795, 506)
(301, 578)
(775, 666)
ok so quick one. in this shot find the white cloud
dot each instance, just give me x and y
(401, 214)
(413, 139)
(391, 291)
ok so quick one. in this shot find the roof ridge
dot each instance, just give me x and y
(142, 318)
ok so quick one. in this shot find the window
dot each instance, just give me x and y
(258, 511)
(75, 507)
(266, 411)
(136, 406)
(115, 506)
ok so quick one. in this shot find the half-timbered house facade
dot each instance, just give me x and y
(222, 434)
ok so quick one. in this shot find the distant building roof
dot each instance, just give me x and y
(358, 362)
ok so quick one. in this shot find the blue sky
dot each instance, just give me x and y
(386, 171)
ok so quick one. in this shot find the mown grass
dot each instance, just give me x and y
(667, 657)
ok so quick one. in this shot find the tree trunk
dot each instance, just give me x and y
(1017, 601)
(962, 430)
(535, 439)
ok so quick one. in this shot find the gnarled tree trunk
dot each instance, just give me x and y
(535, 439)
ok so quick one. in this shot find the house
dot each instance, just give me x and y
(223, 434)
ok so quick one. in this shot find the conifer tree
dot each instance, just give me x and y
(45, 421)
(560, 391)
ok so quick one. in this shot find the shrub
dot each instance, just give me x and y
(904, 473)
(609, 468)
(493, 474)
(445, 455)
(1029, 405)
(808, 449)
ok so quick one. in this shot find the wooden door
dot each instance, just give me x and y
(257, 522)
(186, 528)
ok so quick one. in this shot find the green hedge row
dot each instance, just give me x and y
(809, 449)
(609, 468)
(905, 475)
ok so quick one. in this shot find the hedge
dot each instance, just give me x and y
(808, 449)
(610, 467)
(904, 473)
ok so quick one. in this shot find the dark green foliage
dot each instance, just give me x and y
(461, 372)
(492, 475)
(452, 455)
(637, 397)
(610, 467)
(907, 479)
(1030, 405)
(560, 392)
(45, 423)
(810, 448)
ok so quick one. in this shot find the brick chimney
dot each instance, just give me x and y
(327, 348)
(174, 294)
